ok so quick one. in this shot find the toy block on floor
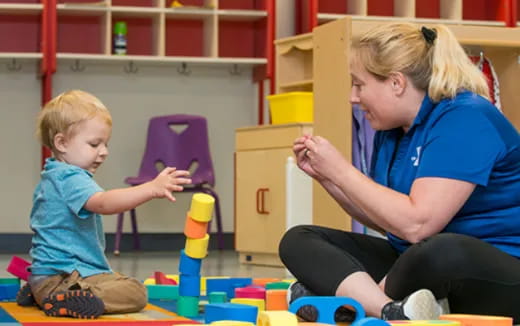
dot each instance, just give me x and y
(188, 306)
(160, 278)
(18, 267)
(8, 292)
(231, 323)
(478, 320)
(277, 286)
(250, 292)
(276, 300)
(168, 292)
(217, 297)
(277, 318)
(230, 311)
(327, 306)
(259, 303)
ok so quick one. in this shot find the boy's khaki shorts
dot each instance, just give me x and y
(120, 293)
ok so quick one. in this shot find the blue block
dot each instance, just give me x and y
(230, 311)
(371, 321)
(189, 265)
(327, 306)
(219, 285)
(189, 285)
(8, 292)
(237, 282)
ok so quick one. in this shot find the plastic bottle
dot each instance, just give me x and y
(120, 31)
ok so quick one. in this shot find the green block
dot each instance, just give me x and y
(10, 280)
(217, 297)
(188, 306)
(277, 286)
(161, 291)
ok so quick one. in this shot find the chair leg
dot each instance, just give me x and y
(137, 244)
(218, 218)
(119, 231)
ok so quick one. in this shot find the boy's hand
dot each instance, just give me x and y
(170, 179)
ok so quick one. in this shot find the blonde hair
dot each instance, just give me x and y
(67, 110)
(439, 66)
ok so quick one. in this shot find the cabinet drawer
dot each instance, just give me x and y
(272, 136)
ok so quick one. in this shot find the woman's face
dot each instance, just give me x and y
(374, 96)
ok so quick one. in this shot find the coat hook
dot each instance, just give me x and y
(184, 70)
(77, 67)
(235, 70)
(130, 68)
(14, 66)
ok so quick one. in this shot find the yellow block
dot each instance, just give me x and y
(250, 302)
(231, 323)
(197, 248)
(201, 207)
(277, 318)
(479, 320)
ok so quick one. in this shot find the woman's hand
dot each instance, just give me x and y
(322, 158)
(170, 179)
(302, 159)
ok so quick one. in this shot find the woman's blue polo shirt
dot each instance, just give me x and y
(465, 138)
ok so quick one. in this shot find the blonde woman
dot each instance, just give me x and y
(444, 188)
(70, 275)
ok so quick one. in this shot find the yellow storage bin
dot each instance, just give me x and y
(291, 107)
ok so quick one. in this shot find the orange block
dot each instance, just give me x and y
(195, 229)
(276, 300)
(263, 281)
(478, 320)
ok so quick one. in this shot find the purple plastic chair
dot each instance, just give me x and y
(177, 149)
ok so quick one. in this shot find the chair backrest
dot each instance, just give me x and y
(178, 149)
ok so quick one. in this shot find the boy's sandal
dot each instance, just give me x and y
(77, 303)
(24, 297)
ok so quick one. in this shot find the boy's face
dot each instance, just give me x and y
(87, 148)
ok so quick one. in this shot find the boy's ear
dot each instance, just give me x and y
(60, 142)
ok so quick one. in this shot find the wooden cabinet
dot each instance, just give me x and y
(260, 211)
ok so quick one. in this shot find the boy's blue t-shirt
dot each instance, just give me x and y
(66, 236)
(465, 138)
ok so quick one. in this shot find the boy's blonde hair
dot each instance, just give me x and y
(439, 66)
(67, 110)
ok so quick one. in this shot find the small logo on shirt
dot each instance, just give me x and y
(415, 159)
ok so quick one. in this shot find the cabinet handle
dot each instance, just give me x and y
(260, 201)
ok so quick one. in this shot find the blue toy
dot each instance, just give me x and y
(230, 311)
(327, 306)
(189, 265)
(189, 285)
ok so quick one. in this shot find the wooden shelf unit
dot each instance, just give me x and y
(209, 31)
(475, 12)
(322, 67)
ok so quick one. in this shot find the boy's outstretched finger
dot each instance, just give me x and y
(169, 195)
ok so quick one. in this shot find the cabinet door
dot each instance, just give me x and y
(260, 199)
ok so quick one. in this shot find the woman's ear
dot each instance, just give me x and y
(398, 82)
(60, 142)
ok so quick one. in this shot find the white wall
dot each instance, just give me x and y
(227, 101)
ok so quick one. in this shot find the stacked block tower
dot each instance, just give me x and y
(196, 248)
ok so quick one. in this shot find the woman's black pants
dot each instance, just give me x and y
(476, 277)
